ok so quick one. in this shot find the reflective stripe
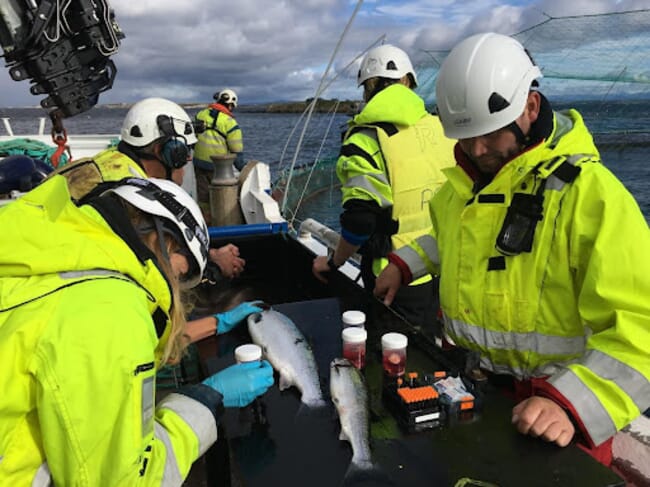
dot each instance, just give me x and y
(364, 183)
(413, 260)
(429, 246)
(554, 183)
(92, 272)
(635, 385)
(521, 342)
(214, 141)
(521, 373)
(593, 414)
(196, 415)
(171, 475)
(43, 477)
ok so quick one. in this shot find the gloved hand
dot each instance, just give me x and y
(227, 320)
(240, 384)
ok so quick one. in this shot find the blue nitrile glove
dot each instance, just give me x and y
(227, 320)
(240, 384)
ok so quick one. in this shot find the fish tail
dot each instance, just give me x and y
(314, 410)
(366, 473)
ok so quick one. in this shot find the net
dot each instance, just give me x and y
(596, 57)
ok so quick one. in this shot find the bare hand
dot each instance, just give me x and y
(228, 260)
(320, 266)
(387, 283)
(540, 417)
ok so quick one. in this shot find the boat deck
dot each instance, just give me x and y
(293, 448)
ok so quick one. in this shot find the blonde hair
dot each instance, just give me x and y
(177, 340)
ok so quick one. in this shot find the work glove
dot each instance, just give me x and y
(240, 384)
(227, 320)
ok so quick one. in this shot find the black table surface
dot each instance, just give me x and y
(279, 442)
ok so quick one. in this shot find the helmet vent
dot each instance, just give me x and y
(496, 103)
(391, 66)
(135, 131)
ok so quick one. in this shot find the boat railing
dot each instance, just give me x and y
(321, 239)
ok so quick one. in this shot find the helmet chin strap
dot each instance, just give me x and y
(161, 240)
(519, 135)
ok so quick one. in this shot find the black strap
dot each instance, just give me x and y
(491, 198)
(497, 263)
(159, 318)
(566, 172)
(349, 150)
(110, 208)
(214, 113)
(390, 128)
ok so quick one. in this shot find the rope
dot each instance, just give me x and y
(32, 148)
(318, 92)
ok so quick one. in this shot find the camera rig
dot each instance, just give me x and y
(63, 47)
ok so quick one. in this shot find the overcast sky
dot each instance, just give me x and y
(271, 50)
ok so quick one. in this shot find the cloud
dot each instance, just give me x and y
(270, 51)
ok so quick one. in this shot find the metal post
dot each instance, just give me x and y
(224, 192)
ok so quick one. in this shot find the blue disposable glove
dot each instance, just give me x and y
(227, 320)
(240, 384)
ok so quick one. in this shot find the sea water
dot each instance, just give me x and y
(620, 130)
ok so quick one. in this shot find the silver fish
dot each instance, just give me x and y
(286, 348)
(350, 397)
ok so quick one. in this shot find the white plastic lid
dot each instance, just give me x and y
(248, 353)
(354, 334)
(394, 341)
(354, 318)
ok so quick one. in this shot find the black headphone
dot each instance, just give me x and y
(175, 151)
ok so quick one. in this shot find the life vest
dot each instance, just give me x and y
(413, 158)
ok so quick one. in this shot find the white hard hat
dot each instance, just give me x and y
(385, 61)
(483, 85)
(226, 96)
(179, 215)
(155, 118)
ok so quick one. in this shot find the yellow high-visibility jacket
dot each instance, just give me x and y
(576, 307)
(393, 154)
(80, 350)
(222, 134)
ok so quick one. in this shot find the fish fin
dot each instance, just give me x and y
(366, 474)
(315, 410)
(284, 382)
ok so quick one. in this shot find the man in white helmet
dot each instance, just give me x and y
(222, 136)
(389, 166)
(156, 140)
(542, 252)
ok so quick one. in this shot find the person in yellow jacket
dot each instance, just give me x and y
(542, 252)
(156, 140)
(91, 305)
(390, 165)
(222, 136)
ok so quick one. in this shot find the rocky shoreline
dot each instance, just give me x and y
(350, 107)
